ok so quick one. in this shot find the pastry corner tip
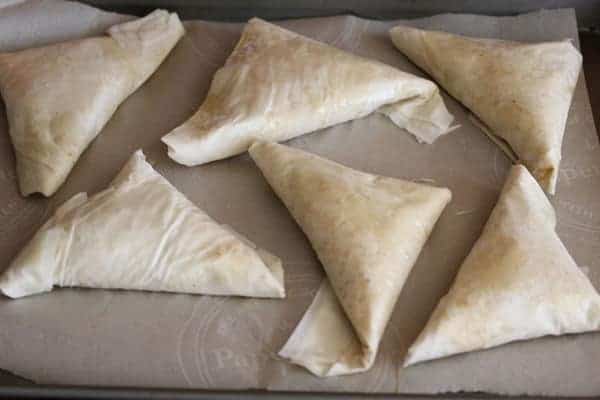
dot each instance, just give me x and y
(256, 20)
(401, 28)
(28, 188)
(175, 146)
(256, 145)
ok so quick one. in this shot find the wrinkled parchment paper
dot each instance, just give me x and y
(97, 337)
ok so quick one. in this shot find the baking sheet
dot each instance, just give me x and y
(117, 338)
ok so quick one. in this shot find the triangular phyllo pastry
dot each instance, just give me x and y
(518, 282)
(141, 234)
(367, 231)
(520, 91)
(277, 84)
(59, 97)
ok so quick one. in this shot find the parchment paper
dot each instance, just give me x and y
(97, 337)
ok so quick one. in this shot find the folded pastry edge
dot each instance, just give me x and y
(425, 116)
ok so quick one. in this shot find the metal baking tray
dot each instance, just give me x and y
(588, 17)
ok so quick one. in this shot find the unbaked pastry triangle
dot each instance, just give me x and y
(277, 84)
(59, 97)
(521, 91)
(141, 234)
(518, 282)
(367, 231)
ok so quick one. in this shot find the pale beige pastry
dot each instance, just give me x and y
(59, 97)
(367, 231)
(518, 282)
(277, 85)
(520, 91)
(141, 234)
